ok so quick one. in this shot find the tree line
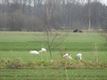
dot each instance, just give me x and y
(35, 15)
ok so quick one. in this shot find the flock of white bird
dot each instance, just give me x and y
(35, 52)
(66, 55)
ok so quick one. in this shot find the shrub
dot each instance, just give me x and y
(4, 62)
(15, 64)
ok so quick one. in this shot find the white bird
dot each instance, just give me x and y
(79, 56)
(67, 56)
(34, 52)
(42, 50)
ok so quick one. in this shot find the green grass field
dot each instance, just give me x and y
(50, 74)
(16, 45)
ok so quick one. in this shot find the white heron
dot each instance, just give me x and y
(34, 52)
(79, 56)
(67, 56)
(43, 50)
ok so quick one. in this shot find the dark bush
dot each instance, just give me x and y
(77, 30)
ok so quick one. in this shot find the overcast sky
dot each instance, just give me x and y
(104, 1)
